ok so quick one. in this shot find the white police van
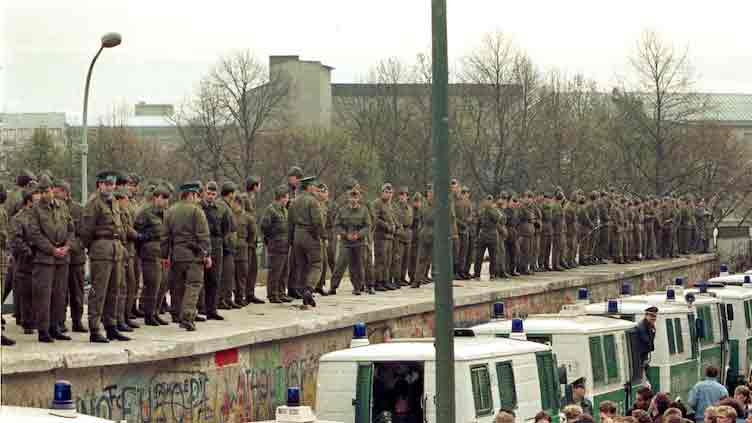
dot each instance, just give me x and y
(674, 364)
(592, 347)
(397, 378)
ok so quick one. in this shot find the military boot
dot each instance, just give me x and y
(114, 335)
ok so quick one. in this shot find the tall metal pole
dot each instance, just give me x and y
(442, 256)
(84, 133)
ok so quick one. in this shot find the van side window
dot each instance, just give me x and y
(670, 336)
(548, 380)
(707, 322)
(481, 382)
(679, 336)
(612, 363)
(596, 358)
(605, 364)
(748, 313)
(507, 389)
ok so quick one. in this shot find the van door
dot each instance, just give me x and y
(363, 392)
(429, 392)
(725, 353)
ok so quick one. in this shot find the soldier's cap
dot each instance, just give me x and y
(386, 187)
(465, 189)
(295, 171)
(651, 309)
(160, 190)
(489, 197)
(62, 183)
(504, 195)
(354, 192)
(417, 196)
(212, 186)
(308, 181)
(454, 181)
(280, 191)
(192, 186)
(135, 179)
(403, 190)
(429, 187)
(107, 176)
(351, 183)
(251, 181)
(228, 187)
(121, 193)
(45, 183)
(579, 383)
(122, 179)
(45, 172)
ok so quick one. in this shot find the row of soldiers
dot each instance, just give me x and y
(202, 249)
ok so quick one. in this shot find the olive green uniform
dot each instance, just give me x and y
(686, 229)
(351, 221)
(275, 229)
(23, 256)
(602, 237)
(188, 243)
(463, 210)
(616, 235)
(526, 232)
(101, 233)
(383, 239)
(403, 218)
(227, 287)
(308, 226)
(500, 269)
(649, 218)
(218, 218)
(570, 217)
(557, 236)
(324, 246)
(249, 204)
(488, 238)
(585, 225)
(512, 241)
(412, 260)
(129, 289)
(76, 271)
(425, 243)
(245, 235)
(150, 222)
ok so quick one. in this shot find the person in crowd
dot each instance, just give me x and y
(706, 392)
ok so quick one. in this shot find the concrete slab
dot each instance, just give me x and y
(258, 324)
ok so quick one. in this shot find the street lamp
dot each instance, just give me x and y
(109, 40)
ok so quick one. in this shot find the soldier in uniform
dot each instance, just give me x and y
(136, 202)
(383, 236)
(227, 287)
(322, 194)
(294, 286)
(463, 211)
(675, 227)
(412, 261)
(617, 230)
(4, 228)
(425, 240)
(128, 290)
(12, 204)
(638, 229)
(275, 229)
(501, 269)
(585, 226)
(665, 223)
(704, 226)
(352, 227)
(649, 219)
(252, 187)
(538, 258)
(307, 224)
(558, 248)
(219, 222)
(245, 237)
(605, 230)
(488, 237)
(154, 261)
(526, 232)
(687, 225)
(472, 232)
(188, 243)
(570, 217)
(23, 256)
(403, 217)
(512, 242)
(102, 234)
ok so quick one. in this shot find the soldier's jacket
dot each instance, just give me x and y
(4, 229)
(383, 219)
(584, 216)
(463, 211)
(20, 241)
(325, 218)
(547, 219)
(628, 218)
(352, 220)
(229, 246)
(14, 202)
(488, 222)
(219, 222)
(637, 218)
(102, 230)
(501, 226)
(245, 233)
(664, 216)
(513, 220)
(538, 220)
(527, 215)
(687, 217)
(187, 233)
(676, 218)
(426, 222)
(275, 227)
(649, 217)
(50, 227)
(592, 212)
(403, 219)
(127, 218)
(557, 218)
(603, 209)
(249, 204)
(150, 222)
(305, 215)
(77, 252)
(570, 217)
(616, 219)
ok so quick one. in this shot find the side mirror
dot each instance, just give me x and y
(729, 312)
(699, 329)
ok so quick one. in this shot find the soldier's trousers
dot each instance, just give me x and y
(461, 252)
(228, 279)
(324, 264)
(139, 269)
(382, 252)
(483, 245)
(76, 278)
(106, 278)
(547, 243)
(241, 278)
(500, 268)
(252, 273)
(50, 289)
(637, 245)
(399, 257)
(405, 262)
(412, 260)
(557, 250)
(331, 251)
(152, 272)
(526, 251)
(649, 250)
(685, 239)
(307, 252)
(164, 287)
(586, 245)
(425, 252)
(292, 282)
(187, 277)
(617, 245)
(603, 241)
(513, 253)
(131, 292)
(471, 241)
(349, 257)
(212, 280)
(571, 239)
(275, 281)
(23, 297)
(368, 268)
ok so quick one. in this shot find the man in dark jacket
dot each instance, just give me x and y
(646, 334)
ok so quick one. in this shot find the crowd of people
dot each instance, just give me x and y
(708, 402)
(191, 251)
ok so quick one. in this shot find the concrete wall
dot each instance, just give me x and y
(309, 102)
(246, 383)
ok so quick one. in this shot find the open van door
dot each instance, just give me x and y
(363, 393)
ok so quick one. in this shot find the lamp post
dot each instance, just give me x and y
(109, 40)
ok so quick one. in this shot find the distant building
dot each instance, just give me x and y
(733, 111)
(16, 129)
(309, 102)
(144, 109)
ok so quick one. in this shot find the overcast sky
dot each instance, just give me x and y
(46, 45)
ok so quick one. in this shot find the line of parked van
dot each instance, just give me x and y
(529, 364)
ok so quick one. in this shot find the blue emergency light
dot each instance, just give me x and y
(63, 396)
(670, 294)
(612, 306)
(498, 311)
(517, 326)
(679, 281)
(626, 289)
(747, 279)
(582, 294)
(703, 287)
(359, 331)
(724, 268)
(293, 396)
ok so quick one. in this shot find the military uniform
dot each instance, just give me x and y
(403, 218)
(129, 288)
(526, 232)
(616, 235)
(220, 225)
(585, 213)
(558, 247)
(249, 205)
(150, 222)
(245, 235)
(649, 219)
(275, 229)
(23, 256)
(512, 242)
(352, 222)
(425, 244)
(488, 238)
(412, 261)
(101, 233)
(463, 211)
(324, 243)
(188, 243)
(602, 237)
(686, 228)
(227, 287)
(570, 217)
(383, 239)
(308, 226)
(501, 268)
